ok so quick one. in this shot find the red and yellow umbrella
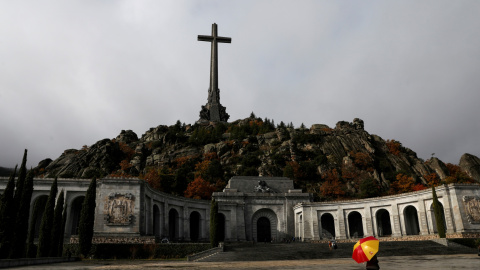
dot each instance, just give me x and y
(365, 249)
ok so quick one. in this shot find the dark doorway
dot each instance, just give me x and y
(221, 227)
(75, 214)
(384, 227)
(411, 221)
(355, 225)
(263, 230)
(172, 224)
(194, 226)
(156, 221)
(328, 226)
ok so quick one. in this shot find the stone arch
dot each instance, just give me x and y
(327, 226)
(195, 226)
(355, 224)
(434, 220)
(384, 226)
(38, 209)
(156, 221)
(411, 220)
(269, 216)
(221, 227)
(173, 224)
(74, 216)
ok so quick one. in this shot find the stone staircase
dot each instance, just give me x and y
(305, 251)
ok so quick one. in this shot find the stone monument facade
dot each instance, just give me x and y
(213, 110)
(262, 209)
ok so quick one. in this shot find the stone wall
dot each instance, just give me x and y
(404, 215)
(118, 240)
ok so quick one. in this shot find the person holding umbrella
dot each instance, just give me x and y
(373, 263)
(365, 250)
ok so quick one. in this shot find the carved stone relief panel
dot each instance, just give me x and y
(472, 208)
(119, 209)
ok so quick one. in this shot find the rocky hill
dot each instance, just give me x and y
(332, 163)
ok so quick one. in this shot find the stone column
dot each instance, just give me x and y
(186, 223)
(233, 218)
(368, 221)
(166, 226)
(402, 224)
(340, 226)
(422, 218)
(447, 209)
(395, 221)
(240, 226)
(315, 226)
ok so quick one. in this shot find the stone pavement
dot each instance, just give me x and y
(393, 255)
(458, 261)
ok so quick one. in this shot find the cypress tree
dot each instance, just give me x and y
(438, 210)
(45, 237)
(7, 216)
(21, 224)
(87, 219)
(20, 181)
(57, 226)
(38, 206)
(214, 223)
(62, 231)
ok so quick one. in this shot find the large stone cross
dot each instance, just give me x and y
(213, 110)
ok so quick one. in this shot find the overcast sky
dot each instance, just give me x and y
(75, 72)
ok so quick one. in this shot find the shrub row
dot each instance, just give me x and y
(139, 251)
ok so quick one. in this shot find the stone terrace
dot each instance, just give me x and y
(308, 251)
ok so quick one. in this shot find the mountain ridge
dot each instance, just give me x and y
(332, 163)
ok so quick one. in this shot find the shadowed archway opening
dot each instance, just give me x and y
(327, 224)
(355, 224)
(156, 221)
(411, 221)
(173, 224)
(384, 227)
(75, 211)
(263, 230)
(221, 227)
(194, 226)
(259, 222)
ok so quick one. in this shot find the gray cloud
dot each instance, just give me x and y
(76, 72)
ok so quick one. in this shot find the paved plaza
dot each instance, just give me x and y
(458, 261)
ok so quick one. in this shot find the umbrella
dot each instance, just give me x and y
(365, 249)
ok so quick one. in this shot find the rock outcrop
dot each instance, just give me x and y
(255, 147)
(471, 165)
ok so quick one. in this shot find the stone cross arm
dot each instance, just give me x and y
(218, 39)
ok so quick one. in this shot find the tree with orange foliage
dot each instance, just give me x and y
(127, 150)
(199, 189)
(404, 184)
(362, 161)
(432, 179)
(331, 188)
(457, 175)
(153, 178)
(394, 147)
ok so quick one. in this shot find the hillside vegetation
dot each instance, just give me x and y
(196, 160)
